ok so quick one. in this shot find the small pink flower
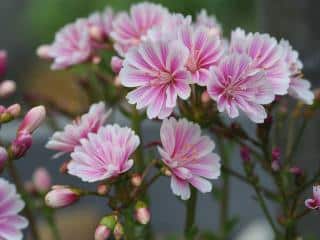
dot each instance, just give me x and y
(245, 154)
(314, 202)
(142, 215)
(72, 45)
(104, 154)
(204, 51)
(209, 22)
(157, 70)
(189, 156)
(102, 233)
(61, 196)
(41, 180)
(65, 141)
(266, 55)
(299, 88)
(236, 85)
(116, 64)
(128, 31)
(32, 120)
(11, 224)
(3, 63)
(7, 88)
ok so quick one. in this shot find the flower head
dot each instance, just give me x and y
(236, 85)
(209, 22)
(72, 45)
(157, 70)
(299, 88)
(204, 51)
(129, 30)
(314, 202)
(104, 154)
(189, 156)
(65, 141)
(11, 224)
(266, 54)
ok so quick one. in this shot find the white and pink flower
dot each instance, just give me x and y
(105, 154)
(235, 85)
(11, 223)
(65, 141)
(209, 22)
(61, 196)
(157, 71)
(314, 202)
(189, 156)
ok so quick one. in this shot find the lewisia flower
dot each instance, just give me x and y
(11, 224)
(157, 70)
(266, 55)
(128, 31)
(104, 154)
(65, 141)
(189, 156)
(236, 85)
(204, 51)
(72, 45)
(209, 22)
(314, 202)
(299, 88)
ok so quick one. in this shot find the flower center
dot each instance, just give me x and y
(192, 65)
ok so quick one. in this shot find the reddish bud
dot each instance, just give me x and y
(3, 63)
(142, 213)
(103, 189)
(21, 145)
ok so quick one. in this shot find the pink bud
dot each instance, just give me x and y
(42, 180)
(96, 33)
(116, 64)
(102, 233)
(29, 187)
(142, 213)
(3, 63)
(43, 52)
(96, 60)
(103, 189)
(275, 165)
(136, 180)
(245, 154)
(276, 153)
(7, 88)
(296, 171)
(61, 196)
(14, 110)
(21, 145)
(118, 231)
(33, 119)
(3, 157)
(205, 98)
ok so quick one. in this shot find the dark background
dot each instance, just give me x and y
(25, 24)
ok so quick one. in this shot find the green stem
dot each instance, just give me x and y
(53, 227)
(27, 210)
(136, 120)
(191, 214)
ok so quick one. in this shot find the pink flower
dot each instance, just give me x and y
(189, 156)
(72, 45)
(7, 88)
(116, 64)
(128, 31)
(11, 224)
(41, 180)
(299, 88)
(32, 120)
(104, 154)
(266, 55)
(61, 196)
(157, 70)
(65, 141)
(314, 202)
(236, 85)
(102, 233)
(204, 51)
(209, 22)
(142, 213)
(3, 63)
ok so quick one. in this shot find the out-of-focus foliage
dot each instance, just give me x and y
(45, 17)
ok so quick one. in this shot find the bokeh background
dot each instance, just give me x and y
(26, 24)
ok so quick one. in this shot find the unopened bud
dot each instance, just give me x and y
(245, 154)
(96, 60)
(33, 119)
(42, 180)
(116, 64)
(118, 231)
(64, 167)
(43, 52)
(109, 221)
(14, 110)
(142, 213)
(103, 189)
(7, 88)
(61, 196)
(3, 63)
(102, 233)
(96, 33)
(21, 145)
(275, 165)
(205, 98)
(166, 171)
(276, 153)
(136, 180)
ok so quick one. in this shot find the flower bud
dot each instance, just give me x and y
(21, 145)
(14, 110)
(245, 154)
(276, 153)
(61, 196)
(33, 119)
(7, 88)
(96, 33)
(29, 187)
(118, 231)
(205, 98)
(116, 64)
(142, 213)
(42, 180)
(275, 165)
(3, 63)
(102, 233)
(109, 221)
(3, 157)
(43, 52)
(296, 171)
(103, 189)
(96, 60)
(136, 180)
